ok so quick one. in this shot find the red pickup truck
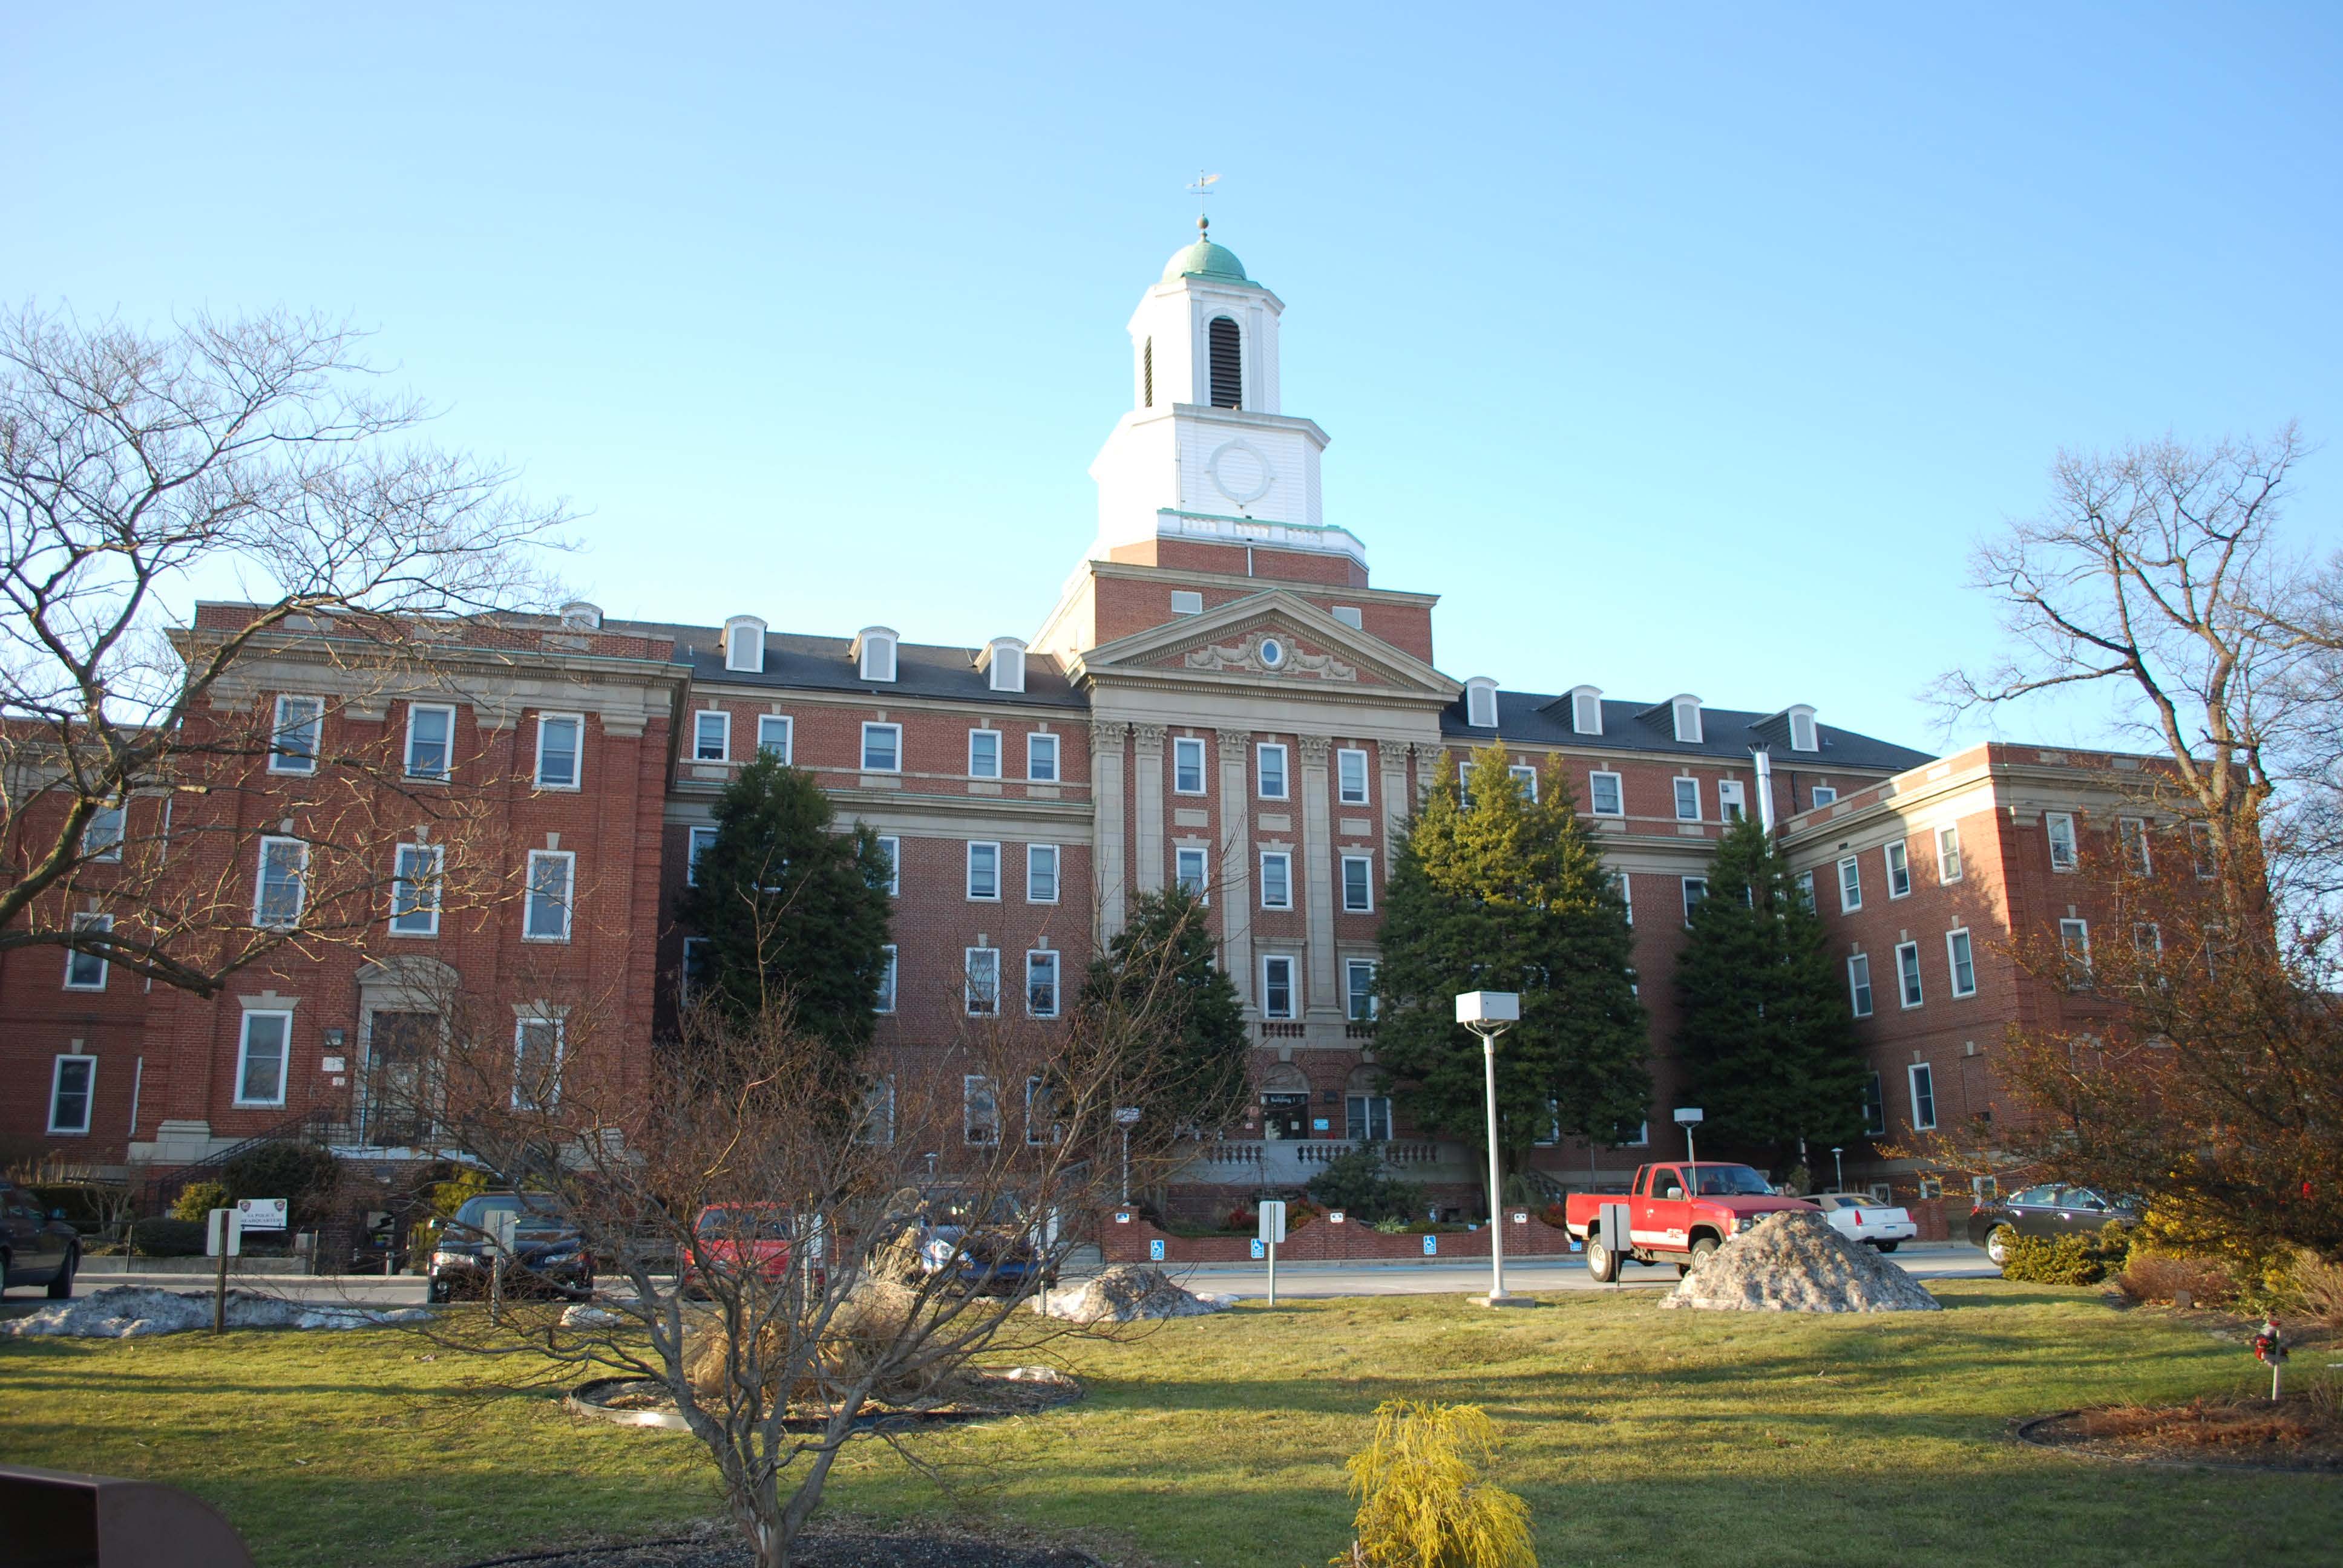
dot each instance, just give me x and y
(1676, 1213)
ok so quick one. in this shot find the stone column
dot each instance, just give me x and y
(1106, 795)
(1318, 867)
(1397, 803)
(1147, 832)
(1233, 875)
(1428, 759)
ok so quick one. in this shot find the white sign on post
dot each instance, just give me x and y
(1273, 1221)
(263, 1214)
(224, 1234)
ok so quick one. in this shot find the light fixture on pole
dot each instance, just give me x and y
(1489, 1013)
(1838, 1174)
(1123, 1119)
(1688, 1118)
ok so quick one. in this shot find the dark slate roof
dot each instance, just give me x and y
(820, 664)
(1534, 719)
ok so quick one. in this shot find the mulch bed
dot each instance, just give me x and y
(834, 1545)
(2303, 1432)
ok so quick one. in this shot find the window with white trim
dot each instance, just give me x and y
(1587, 711)
(979, 1110)
(552, 880)
(1042, 757)
(983, 871)
(885, 1002)
(1825, 795)
(1189, 870)
(1187, 601)
(1041, 983)
(1875, 1106)
(1643, 1138)
(1923, 1096)
(2075, 941)
(1367, 1118)
(561, 741)
(1040, 873)
(2060, 826)
(86, 971)
(1277, 998)
(1044, 1118)
(1276, 879)
(102, 835)
(1604, 793)
(262, 1049)
(1732, 805)
(1480, 703)
(892, 847)
(1899, 870)
(1358, 884)
(984, 754)
(2131, 832)
(1948, 855)
(1850, 885)
(282, 886)
(537, 1063)
(1962, 960)
(293, 737)
(1805, 886)
(1687, 799)
(883, 748)
(1187, 765)
(1526, 780)
(2200, 851)
(1359, 1003)
(712, 736)
(982, 995)
(1802, 731)
(698, 839)
(1687, 717)
(2148, 940)
(1908, 973)
(1351, 777)
(1696, 893)
(417, 873)
(430, 741)
(1626, 886)
(777, 736)
(73, 1083)
(1005, 671)
(1268, 770)
(878, 655)
(1858, 984)
(744, 643)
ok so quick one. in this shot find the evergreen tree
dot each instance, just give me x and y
(793, 911)
(1765, 1028)
(1161, 966)
(1508, 894)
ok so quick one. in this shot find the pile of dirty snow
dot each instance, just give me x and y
(1794, 1262)
(132, 1312)
(1128, 1293)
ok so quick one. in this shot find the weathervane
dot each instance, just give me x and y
(1202, 189)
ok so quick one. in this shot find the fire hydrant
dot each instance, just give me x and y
(2270, 1348)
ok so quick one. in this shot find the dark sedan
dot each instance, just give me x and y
(35, 1249)
(546, 1253)
(2050, 1209)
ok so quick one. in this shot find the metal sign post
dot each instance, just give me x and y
(1272, 1231)
(223, 1238)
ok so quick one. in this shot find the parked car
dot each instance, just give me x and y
(1003, 1251)
(35, 1249)
(2049, 1210)
(1676, 1213)
(737, 1238)
(1859, 1217)
(548, 1254)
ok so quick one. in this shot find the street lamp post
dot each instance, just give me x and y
(1123, 1118)
(1489, 1013)
(1838, 1174)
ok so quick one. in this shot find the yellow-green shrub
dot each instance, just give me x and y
(1421, 1501)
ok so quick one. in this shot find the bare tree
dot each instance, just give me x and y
(256, 458)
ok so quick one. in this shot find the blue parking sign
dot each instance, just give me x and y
(1258, 1250)
(1430, 1246)
(1155, 1251)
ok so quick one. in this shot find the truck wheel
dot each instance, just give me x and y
(1600, 1261)
(1700, 1251)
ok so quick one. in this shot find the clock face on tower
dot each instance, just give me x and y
(1240, 472)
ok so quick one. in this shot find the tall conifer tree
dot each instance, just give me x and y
(1510, 894)
(1161, 964)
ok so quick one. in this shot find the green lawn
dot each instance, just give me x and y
(1638, 1437)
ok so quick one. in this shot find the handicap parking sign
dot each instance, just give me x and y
(1258, 1250)
(1430, 1246)
(1155, 1251)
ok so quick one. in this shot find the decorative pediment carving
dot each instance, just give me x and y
(1268, 651)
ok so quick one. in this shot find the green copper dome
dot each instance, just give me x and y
(1205, 259)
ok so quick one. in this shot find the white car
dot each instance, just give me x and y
(1861, 1218)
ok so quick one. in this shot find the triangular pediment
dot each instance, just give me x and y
(1274, 636)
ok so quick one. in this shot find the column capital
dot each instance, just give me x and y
(1314, 748)
(1233, 739)
(1147, 739)
(1106, 734)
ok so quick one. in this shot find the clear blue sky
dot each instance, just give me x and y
(1680, 349)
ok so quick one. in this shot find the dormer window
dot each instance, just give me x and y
(1687, 715)
(1480, 702)
(1586, 710)
(1005, 664)
(874, 653)
(1802, 729)
(579, 616)
(744, 643)
(1228, 363)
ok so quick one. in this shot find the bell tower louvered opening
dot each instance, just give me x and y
(1228, 364)
(1147, 375)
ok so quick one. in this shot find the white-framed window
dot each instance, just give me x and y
(892, 847)
(2131, 832)
(2060, 826)
(1695, 890)
(1359, 1003)
(1732, 805)
(885, 1002)
(1277, 998)
(1962, 960)
(698, 838)
(537, 1063)
(694, 972)
(1464, 785)
(73, 1085)
(1187, 765)
(2148, 939)
(552, 880)
(1850, 885)
(560, 745)
(1527, 779)
(984, 754)
(86, 971)
(1875, 1105)
(1858, 984)
(261, 1052)
(1044, 1121)
(1367, 1118)
(1005, 670)
(877, 1126)
(1587, 711)
(1041, 983)
(1825, 795)
(282, 886)
(1350, 615)
(712, 736)
(1908, 973)
(1923, 1096)
(1268, 770)
(777, 736)
(417, 874)
(102, 835)
(1042, 757)
(2075, 941)
(2200, 851)
(1187, 601)
(1358, 884)
(983, 871)
(1687, 717)
(744, 643)
(1040, 873)
(1643, 1138)
(1276, 879)
(1687, 799)
(1189, 869)
(979, 1110)
(983, 995)
(1626, 886)
(1604, 793)
(1805, 885)
(1351, 777)
(878, 661)
(1948, 855)
(293, 737)
(1899, 870)
(430, 741)
(1802, 731)
(883, 748)
(1480, 703)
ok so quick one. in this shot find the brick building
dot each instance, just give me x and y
(1220, 697)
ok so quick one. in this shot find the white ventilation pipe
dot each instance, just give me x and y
(1764, 760)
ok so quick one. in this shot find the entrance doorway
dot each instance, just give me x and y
(1284, 1116)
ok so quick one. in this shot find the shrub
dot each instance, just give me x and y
(168, 1238)
(2079, 1259)
(1421, 1501)
(1556, 1214)
(197, 1199)
(2153, 1277)
(1393, 1226)
(1357, 1183)
(2314, 1288)
(1240, 1218)
(302, 1172)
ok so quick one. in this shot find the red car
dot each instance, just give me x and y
(737, 1239)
